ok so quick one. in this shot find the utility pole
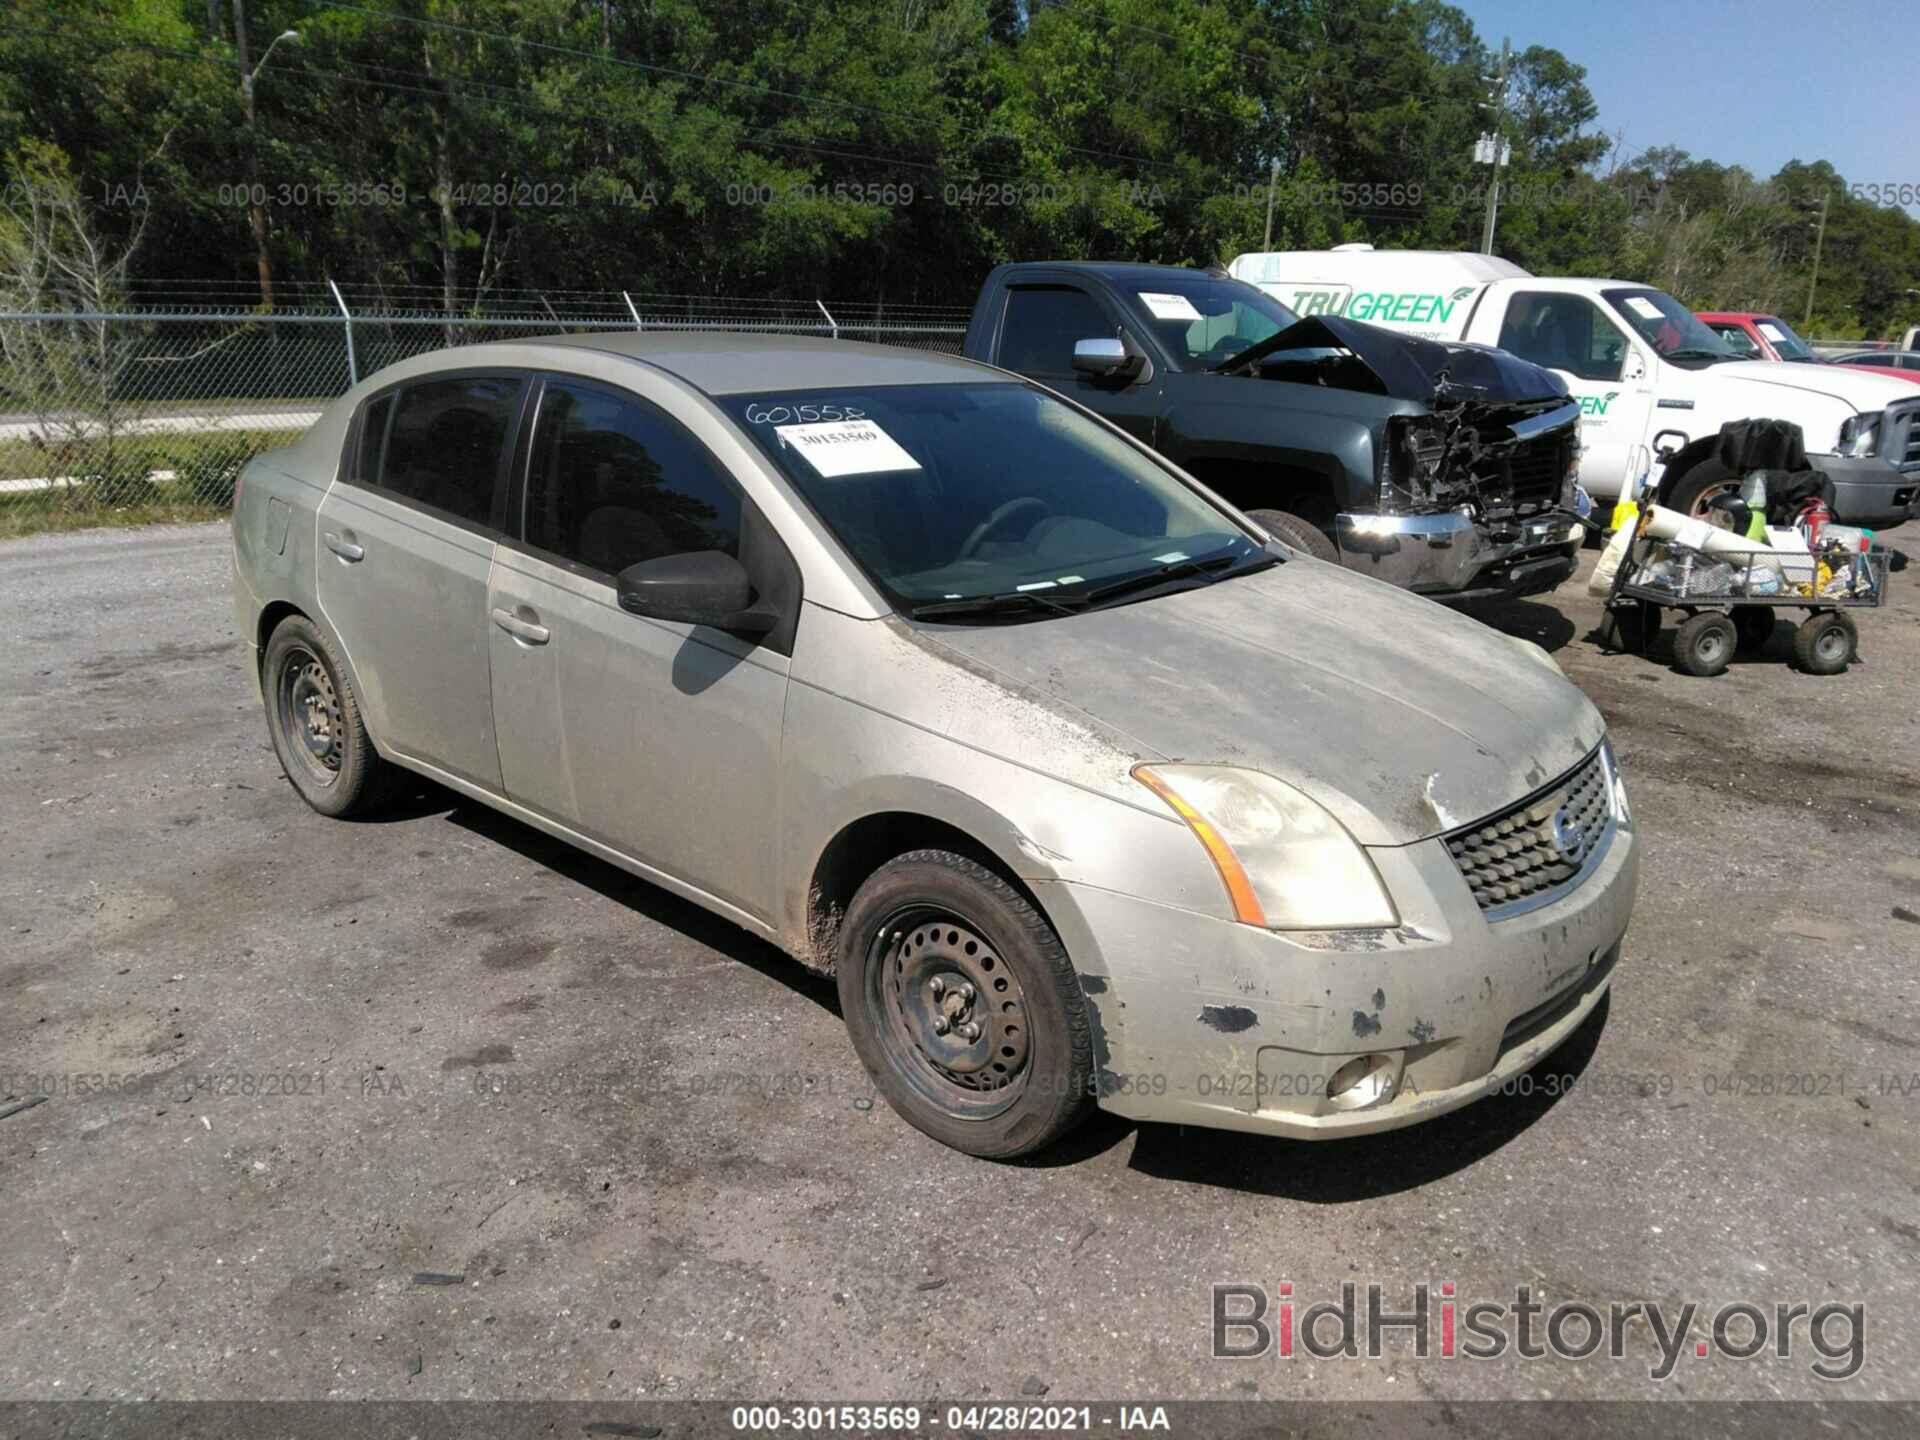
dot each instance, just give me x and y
(1497, 146)
(1819, 239)
(256, 196)
(1273, 180)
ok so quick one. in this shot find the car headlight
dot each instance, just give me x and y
(1860, 436)
(1287, 864)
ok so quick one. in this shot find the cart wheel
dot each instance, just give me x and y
(1825, 643)
(1630, 626)
(1705, 644)
(1755, 626)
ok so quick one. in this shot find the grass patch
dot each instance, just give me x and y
(20, 520)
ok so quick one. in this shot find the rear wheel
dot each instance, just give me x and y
(1300, 534)
(314, 719)
(1705, 644)
(963, 1006)
(1826, 643)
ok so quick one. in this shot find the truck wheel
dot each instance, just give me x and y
(1694, 491)
(314, 719)
(1300, 534)
(963, 1006)
(1705, 643)
(1755, 625)
(1825, 644)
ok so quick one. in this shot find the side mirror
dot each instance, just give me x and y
(701, 587)
(1105, 359)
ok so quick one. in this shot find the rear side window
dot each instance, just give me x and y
(614, 481)
(446, 443)
(373, 440)
(1042, 325)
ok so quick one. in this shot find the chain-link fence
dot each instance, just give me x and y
(151, 412)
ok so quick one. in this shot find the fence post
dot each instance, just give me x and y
(834, 324)
(353, 368)
(637, 323)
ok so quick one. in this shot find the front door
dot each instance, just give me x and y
(1607, 373)
(1041, 326)
(406, 542)
(658, 739)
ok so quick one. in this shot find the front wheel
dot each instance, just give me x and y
(963, 1006)
(1825, 643)
(1300, 534)
(1705, 644)
(313, 716)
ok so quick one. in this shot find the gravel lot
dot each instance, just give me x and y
(356, 1061)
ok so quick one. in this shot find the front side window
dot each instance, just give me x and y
(955, 493)
(1042, 325)
(1736, 338)
(1564, 332)
(446, 443)
(614, 481)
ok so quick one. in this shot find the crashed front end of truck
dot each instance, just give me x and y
(1475, 495)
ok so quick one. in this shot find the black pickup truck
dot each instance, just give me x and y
(1444, 468)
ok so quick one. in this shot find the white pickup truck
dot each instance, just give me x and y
(1654, 384)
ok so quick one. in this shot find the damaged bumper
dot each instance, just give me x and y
(1206, 1022)
(1452, 557)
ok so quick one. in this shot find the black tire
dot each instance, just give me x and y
(327, 754)
(1826, 643)
(1630, 626)
(1692, 491)
(1705, 643)
(1755, 624)
(928, 937)
(1300, 534)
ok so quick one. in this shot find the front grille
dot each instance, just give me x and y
(1909, 452)
(1535, 848)
(1535, 472)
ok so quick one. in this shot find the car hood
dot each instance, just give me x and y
(1865, 391)
(1402, 717)
(1410, 368)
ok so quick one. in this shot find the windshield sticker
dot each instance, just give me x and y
(1644, 308)
(836, 448)
(1170, 557)
(801, 414)
(1772, 332)
(1038, 585)
(1169, 307)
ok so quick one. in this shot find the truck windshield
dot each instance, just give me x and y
(990, 492)
(1205, 319)
(1674, 331)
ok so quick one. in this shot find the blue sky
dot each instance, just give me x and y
(1755, 83)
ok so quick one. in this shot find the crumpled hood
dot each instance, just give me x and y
(1403, 718)
(1415, 369)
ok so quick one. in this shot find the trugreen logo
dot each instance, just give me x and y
(1597, 404)
(1384, 307)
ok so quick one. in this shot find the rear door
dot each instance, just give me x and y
(658, 739)
(1566, 332)
(407, 537)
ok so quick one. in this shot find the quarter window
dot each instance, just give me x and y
(1564, 332)
(614, 481)
(445, 447)
(1044, 322)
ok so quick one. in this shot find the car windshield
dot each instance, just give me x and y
(1781, 336)
(1205, 319)
(991, 491)
(1674, 331)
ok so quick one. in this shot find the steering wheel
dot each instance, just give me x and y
(1001, 514)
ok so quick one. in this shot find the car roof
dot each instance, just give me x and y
(1119, 270)
(729, 362)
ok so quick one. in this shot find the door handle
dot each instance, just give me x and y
(345, 549)
(520, 629)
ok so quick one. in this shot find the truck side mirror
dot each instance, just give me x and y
(1105, 358)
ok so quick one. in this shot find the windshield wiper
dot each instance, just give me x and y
(1019, 602)
(1697, 352)
(1179, 569)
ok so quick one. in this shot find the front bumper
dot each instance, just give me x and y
(1870, 491)
(1201, 1021)
(1449, 557)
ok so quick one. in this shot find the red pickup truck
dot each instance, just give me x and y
(1767, 337)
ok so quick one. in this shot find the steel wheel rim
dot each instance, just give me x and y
(310, 715)
(1831, 644)
(930, 968)
(1711, 646)
(1719, 519)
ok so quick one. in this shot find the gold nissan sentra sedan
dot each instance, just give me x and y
(1088, 790)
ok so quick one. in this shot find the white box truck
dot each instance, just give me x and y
(1654, 384)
